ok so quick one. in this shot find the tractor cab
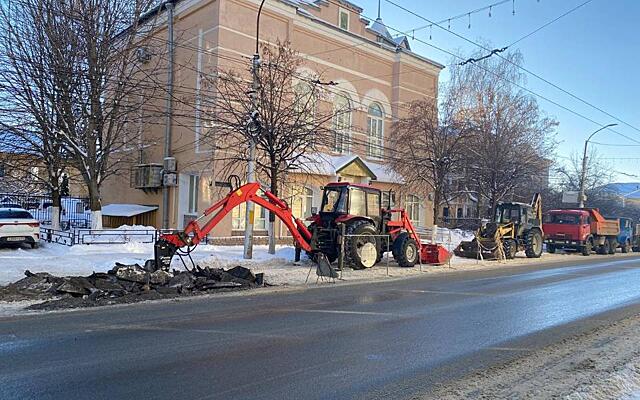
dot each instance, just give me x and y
(342, 201)
(516, 213)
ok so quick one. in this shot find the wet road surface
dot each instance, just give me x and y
(385, 340)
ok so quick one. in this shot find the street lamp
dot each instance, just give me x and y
(253, 128)
(583, 175)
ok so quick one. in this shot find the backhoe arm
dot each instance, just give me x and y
(193, 233)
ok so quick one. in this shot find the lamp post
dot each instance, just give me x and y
(583, 174)
(253, 127)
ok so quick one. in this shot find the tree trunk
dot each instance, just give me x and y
(493, 206)
(436, 206)
(272, 216)
(55, 209)
(95, 205)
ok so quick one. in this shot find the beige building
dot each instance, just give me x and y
(377, 75)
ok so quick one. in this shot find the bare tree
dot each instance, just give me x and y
(29, 90)
(598, 174)
(427, 144)
(292, 121)
(513, 136)
(90, 81)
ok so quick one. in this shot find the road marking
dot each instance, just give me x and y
(345, 312)
(446, 292)
(508, 349)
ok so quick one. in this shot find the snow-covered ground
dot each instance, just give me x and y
(279, 269)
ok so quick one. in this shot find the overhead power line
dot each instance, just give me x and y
(518, 66)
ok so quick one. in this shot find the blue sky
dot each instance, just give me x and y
(592, 53)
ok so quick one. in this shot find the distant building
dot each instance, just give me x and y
(377, 74)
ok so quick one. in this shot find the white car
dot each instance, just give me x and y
(18, 226)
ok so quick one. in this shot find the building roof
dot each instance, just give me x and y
(126, 210)
(629, 190)
(331, 165)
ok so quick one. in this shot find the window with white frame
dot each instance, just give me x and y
(302, 202)
(412, 206)
(194, 190)
(305, 101)
(238, 218)
(375, 130)
(343, 19)
(342, 123)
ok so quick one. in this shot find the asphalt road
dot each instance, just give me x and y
(386, 340)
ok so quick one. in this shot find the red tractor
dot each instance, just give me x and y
(350, 212)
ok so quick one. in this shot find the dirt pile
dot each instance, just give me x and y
(125, 284)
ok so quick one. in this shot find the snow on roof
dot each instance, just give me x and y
(125, 210)
(381, 29)
(327, 164)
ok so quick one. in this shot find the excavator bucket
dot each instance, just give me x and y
(323, 266)
(487, 248)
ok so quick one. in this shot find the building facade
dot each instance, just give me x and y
(377, 75)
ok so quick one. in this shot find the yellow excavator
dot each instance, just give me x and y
(516, 227)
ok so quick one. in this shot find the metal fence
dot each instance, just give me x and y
(74, 211)
(77, 236)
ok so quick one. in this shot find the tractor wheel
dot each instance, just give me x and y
(405, 250)
(587, 248)
(551, 249)
(361, 251)
(510, 248)
(627, 247)
(533, 244)
(613, 245)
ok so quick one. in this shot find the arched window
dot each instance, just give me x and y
(305, 100)
(375, 130)
(342, 123)
(412, 205)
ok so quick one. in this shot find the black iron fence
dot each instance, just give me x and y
(74, 211)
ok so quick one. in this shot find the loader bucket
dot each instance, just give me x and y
(488, 249)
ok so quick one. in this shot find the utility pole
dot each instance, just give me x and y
(583, 173)
(169, 113)
(253, 127)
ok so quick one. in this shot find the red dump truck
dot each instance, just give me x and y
(584, 230)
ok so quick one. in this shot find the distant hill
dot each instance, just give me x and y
(624, 189)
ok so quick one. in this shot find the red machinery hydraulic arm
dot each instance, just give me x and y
(168, 244)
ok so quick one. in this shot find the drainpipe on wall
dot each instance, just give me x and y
(169, 111)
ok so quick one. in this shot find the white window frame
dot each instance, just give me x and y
(304, 198)
(341, 12)
(194, 194)
(342, 122)
(412, 205)
(375, 132)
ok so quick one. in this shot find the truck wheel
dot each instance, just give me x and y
(551, 249)
(533, 244)
(361, 251)
(604, 249)
(510, 248)
(587, 248)
(613, 245)
(627, 247)
(405, 250)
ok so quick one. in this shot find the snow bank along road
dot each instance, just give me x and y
(393, 339)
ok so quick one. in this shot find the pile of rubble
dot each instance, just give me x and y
(125, 284)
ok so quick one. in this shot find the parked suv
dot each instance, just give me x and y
(17, 226)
